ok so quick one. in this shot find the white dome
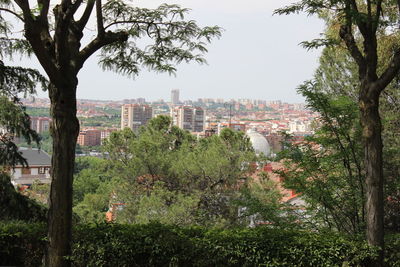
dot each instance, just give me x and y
(259, 143)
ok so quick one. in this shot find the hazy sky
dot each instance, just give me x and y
(258, 57)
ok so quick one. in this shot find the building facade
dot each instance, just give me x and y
(134, 116)
(89, 137)
(40, 124)
(39, 163)
(188, 118)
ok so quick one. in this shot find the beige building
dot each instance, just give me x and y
(188, 118)
(134, 116)
(40, 124)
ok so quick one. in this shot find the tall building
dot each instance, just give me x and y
(175, 96)
(135, 115)
(40, 124)
(198, 119)
(188, 118)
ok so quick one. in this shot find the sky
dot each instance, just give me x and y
(257, 57)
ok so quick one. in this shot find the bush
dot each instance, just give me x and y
(21, 243)
(161, 245)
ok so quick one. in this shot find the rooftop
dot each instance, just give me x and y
(35, 157)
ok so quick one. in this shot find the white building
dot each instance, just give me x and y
(134, 116)
(39, 163)
(188, 118)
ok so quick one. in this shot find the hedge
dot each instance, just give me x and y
(23, 244)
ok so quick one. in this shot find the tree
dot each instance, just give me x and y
(168, 171)
(336, 75)
(56, 39)
(327, 167)
(360, 23)
(15, 122)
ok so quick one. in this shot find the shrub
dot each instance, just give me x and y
(22, 243)
(162, 245)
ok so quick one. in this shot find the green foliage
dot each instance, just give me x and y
(17, 80)
(38, 192)
(14, 206)
(101, 121)
(327, 168)
(14, 81)
(165, 206)
(160, 245)
(92, 189)
(261, 201)
(171, 40)
(15, 122)
(22, 244)
(164, 174)
(38, 112)
(45, 143)
(337, 75)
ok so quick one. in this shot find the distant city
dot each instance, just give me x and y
(203, 117)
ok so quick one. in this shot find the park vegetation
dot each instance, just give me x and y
(178, 200)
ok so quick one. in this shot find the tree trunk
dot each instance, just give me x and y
(372, 128)
(64, 130)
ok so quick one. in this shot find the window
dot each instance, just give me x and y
(26, 170)
(42, 170)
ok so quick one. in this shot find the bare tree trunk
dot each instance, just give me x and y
(64, 130)
(372, 128)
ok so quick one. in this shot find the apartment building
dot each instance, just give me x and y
(188, 118)
(134, 116)
(89, 137)
(40, 124)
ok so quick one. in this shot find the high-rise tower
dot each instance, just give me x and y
(175, 96)
(188, 118)
(135, 115)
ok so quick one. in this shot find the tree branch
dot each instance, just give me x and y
(26, 10)
(99, 42)
(86, 14)
(99, 16)
(73, 8)
(347, 36)
(391, 71)
(378, 14)
(138, 22)
(44, 4)
(12, 12)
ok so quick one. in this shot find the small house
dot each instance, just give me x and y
(38, 169)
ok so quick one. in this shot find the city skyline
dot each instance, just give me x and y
(257, 57)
